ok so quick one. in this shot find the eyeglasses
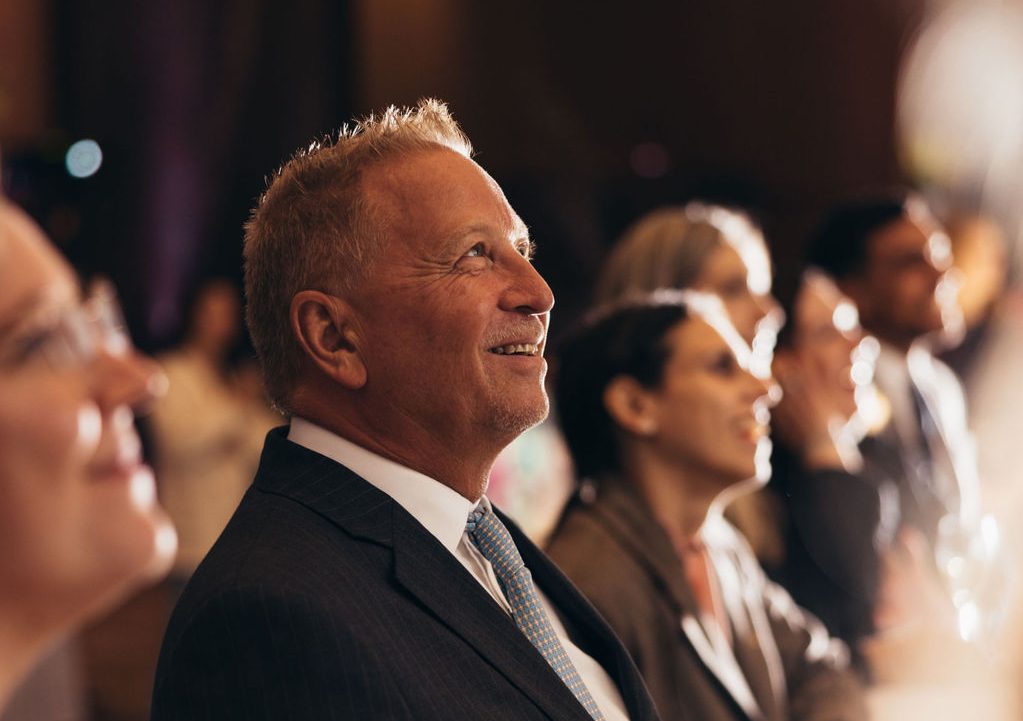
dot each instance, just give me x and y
(75, 337)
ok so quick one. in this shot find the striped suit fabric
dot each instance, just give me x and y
(324, 599)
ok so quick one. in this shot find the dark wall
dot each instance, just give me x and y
(588, 114)
(782, 107)
(194, 103)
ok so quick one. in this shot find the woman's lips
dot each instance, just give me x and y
(752, 431)
(121, 463)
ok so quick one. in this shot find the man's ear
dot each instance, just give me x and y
(631, 406)
(326, 329)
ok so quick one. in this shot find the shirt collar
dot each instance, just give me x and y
(891, 371)
(440, 509)
(893, 376)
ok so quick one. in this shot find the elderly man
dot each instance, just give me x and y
(365, 575)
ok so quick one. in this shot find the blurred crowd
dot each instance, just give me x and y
(871, 511)
(789, 467)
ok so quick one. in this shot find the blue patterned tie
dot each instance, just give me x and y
(495, 543)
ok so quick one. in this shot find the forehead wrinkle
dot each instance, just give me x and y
(517, 233)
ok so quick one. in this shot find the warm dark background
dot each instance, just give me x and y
(587, 114)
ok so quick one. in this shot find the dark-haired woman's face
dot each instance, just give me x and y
(710, 412)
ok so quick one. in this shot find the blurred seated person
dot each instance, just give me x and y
(704, 247)
(717, 250)
(839, 518)
(888, 255)
(79, 524)
(208, 431)
(666, 424)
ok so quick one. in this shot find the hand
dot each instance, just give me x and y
(909, 591)
(804, 417)
(917, 639)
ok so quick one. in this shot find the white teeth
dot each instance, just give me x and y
(516, 349)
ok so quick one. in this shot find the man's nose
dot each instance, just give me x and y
(528, 292)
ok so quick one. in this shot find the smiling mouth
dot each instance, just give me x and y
(527, 349)
(753, 432)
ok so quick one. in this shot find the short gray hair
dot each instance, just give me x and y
(313, 228)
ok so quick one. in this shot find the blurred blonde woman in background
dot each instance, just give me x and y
(79, 523)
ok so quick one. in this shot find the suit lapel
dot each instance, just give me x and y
(754, 648)
(623, 513)
(589, 631)
(431, 574)
(422, 566)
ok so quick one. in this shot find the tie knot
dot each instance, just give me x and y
(494, 541)
(475, 516)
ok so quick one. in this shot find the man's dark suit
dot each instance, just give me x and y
(325, 599)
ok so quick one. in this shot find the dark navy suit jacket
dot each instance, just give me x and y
(325, 599)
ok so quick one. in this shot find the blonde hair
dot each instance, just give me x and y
(668, 247)
(313, 228)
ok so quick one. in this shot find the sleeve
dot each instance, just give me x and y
(840, 522)
(259, 655)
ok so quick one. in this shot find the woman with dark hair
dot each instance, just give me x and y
(666, 425)
(79, 523)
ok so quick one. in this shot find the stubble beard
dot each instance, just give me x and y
(512, 420)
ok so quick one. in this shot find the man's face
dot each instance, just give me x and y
(453, 314)
(898, 293)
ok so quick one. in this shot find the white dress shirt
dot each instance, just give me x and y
(443, 512)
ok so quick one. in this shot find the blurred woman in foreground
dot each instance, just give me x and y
(79, 522)
(666, 424)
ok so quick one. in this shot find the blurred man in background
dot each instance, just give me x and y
(889, 255)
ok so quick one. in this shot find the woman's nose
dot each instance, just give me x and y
(125, 377)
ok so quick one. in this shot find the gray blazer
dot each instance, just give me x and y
(324, 599)
(619, 556)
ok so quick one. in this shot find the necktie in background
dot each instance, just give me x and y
(702, 580)
(495, 543)
(940, 492)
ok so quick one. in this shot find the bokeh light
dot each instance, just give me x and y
(83, 158)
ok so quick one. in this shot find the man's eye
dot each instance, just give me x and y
(476, 251)
(527, 249)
